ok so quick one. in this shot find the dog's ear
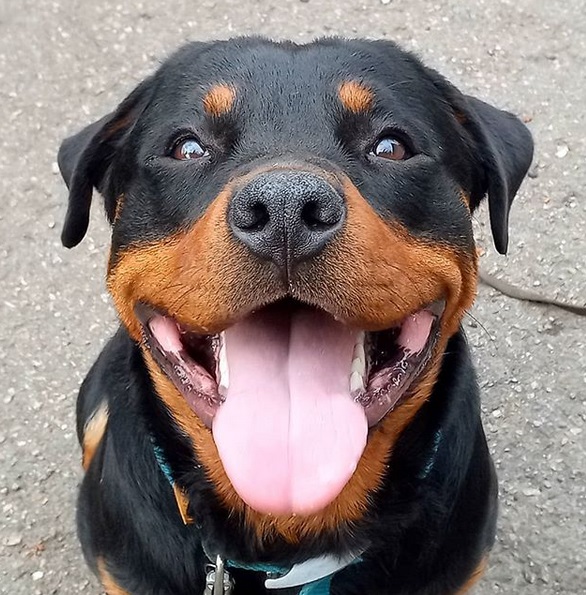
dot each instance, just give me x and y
(502, 148)
(85, 161)
(505, 149)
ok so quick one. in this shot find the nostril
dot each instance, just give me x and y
(286, 216)
(318, 216)
(252, 218)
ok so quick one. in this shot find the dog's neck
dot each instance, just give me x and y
(312, 575)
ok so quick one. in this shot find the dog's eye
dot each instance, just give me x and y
(391, 148)
(188, 148)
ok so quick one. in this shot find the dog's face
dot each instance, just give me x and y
(292, 249)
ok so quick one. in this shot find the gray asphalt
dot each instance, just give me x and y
(63, 64)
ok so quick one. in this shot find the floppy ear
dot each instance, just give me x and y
(504, 147)
(86, 162)
(501, 147)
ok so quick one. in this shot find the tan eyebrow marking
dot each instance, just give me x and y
(219, 100)
(355, 96)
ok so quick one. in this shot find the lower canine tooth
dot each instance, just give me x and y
(224, 374)
(356, 384)
(359, 351)
(358, 366)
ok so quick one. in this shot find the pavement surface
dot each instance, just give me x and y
(64, 64)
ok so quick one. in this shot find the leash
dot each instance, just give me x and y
(527, 295)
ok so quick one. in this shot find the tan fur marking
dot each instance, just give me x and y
(119, 205)
(218, 101)
(371, 276)
(109, 584)
(355, 97)
(93, 432)
(183, 505)
(465, 197)
(203, 277)
(474, 577)
(376, 273)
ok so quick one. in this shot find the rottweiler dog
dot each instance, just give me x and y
(289, 404)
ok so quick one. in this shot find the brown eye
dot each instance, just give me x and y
(188, 148)
(391, 148)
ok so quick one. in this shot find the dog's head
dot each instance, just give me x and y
(292, 248)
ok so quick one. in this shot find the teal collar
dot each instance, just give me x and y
(314, 576)
(433, 455)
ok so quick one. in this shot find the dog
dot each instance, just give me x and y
(289, 405)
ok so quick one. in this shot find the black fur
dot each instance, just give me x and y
(425, 532)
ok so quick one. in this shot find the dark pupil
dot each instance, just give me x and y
(191, 148)
(387, 145)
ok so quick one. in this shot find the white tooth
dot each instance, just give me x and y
(356, 383)
(359, 351)
(223, 372)
(358, 366)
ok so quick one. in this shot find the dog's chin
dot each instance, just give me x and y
(290, 393)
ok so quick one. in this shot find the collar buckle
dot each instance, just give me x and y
(218, 579)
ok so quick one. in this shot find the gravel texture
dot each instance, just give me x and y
(63, 64)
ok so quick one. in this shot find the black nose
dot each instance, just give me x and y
(286, 216)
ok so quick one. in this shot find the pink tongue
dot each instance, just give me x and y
(289, 434)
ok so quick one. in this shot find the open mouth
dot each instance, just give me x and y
(290, 393)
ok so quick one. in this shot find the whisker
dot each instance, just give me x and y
(481, 326)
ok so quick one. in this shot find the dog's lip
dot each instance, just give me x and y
(195, 381)
(392, 382)
(200, 382)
